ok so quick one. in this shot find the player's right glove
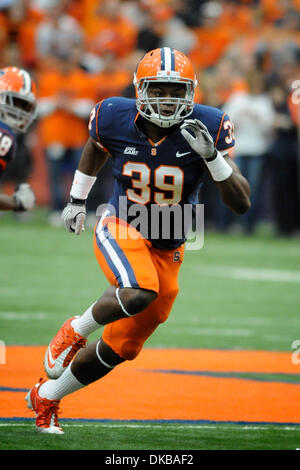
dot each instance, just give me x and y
(24, 198)
(73, 215)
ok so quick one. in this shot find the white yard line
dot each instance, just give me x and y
(248, 274)
(244, 332)
(24, 315)
(247, 426)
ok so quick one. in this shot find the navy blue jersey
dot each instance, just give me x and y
(165, 174)
(7, 146)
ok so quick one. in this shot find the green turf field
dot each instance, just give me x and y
(153, 436)
(235, 293)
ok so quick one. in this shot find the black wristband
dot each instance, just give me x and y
(78, 202)
(214, 155)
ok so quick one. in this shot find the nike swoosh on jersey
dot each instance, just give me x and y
(178, 154)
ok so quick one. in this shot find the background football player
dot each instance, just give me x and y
(17, 112)
(161, 144)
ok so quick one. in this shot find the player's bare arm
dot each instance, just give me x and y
(235, 190)
(93, 158)
(6, 203)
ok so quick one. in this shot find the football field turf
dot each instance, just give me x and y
(222, 373)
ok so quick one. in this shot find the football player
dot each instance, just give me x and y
(161, 145)
(17, 112)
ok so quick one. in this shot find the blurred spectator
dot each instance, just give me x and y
(98, 41)
(11, 56)
(188, 11)
(112, 78)
(278, 45)
(283, 165)
(24, 19)
(252, 115)
(107, 24)
(136, 11)
(150, 34)
(212, 37)
(131, 61)
(66, 97)
(3, 31)
(219, 84)
(273, 11)
(57, 33)
(174, 32)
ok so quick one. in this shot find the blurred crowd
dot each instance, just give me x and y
(246, 54)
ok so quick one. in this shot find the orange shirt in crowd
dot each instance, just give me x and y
(62, 126)
(89, 8)
(239, 18)
(273, 9)
(3, 31)
(26, 37)
(108, 84)
(104, 33)
(210, 45)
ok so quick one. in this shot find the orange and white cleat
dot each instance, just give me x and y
(62, 349)
(46, 411)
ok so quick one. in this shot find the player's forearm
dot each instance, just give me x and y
(235, 193)
(91, 162)
(7, 203)
(92, 159)
(23, 199)
(233, 187)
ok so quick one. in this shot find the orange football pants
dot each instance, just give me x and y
(129, 260)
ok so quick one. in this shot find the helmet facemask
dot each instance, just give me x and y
(150, 107)
(17, 111)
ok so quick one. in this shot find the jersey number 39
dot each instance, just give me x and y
(167, 179)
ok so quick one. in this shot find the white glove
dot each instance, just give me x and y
(24, 198)
(201, 142)
(73, 216)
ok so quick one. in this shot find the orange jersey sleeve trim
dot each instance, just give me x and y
(97, 129)
(218, 135)
(230, 151)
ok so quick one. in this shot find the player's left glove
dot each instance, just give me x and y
(73, 215)
(24, 198)
(201, 142)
